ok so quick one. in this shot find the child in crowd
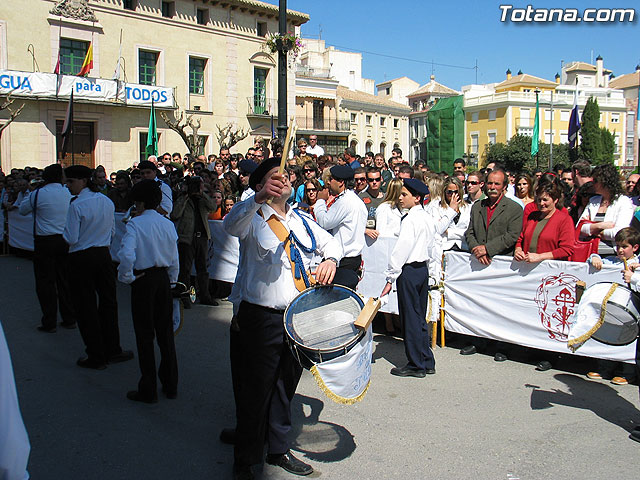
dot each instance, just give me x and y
(627, 245)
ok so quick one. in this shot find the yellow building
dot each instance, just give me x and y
(494, 113)
(203, 58)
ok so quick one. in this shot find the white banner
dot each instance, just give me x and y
(376, 255)
(515, 302)
(20, 230)
(224, 253)
(50, 85)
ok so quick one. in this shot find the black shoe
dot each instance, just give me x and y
(86, 362)
(407, 371)
(242, 472)
(430, 371)
(209, 301)
(544, 365)
(635, 435)
(70, 326)
(468, 350)
(170, 394)
(186, 303)
(136, 396)
(228, 436)
(123, 356)
(500, 357)
(290, 463)
(44, 329)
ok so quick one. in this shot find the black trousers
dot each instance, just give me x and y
(348, 272)
(413, 290)
(152, 312)
(92, 279)
(197, 251)
(267, 378)
(50, 259)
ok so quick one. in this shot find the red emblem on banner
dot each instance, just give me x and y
(556, 301)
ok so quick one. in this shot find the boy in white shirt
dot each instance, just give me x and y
(408, 266)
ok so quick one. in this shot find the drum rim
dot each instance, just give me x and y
(345, 346)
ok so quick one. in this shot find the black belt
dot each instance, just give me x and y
(148, 270)
(416, 264)
(261, 307)
(198, 234)
(352, 263)
(44, 237)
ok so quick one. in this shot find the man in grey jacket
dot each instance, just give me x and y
(190, 214)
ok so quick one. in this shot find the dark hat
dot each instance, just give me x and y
(247, 166)
(148, 192)
(415, 186)
(52, 173)
(341, 172)
(78, 171)
(147, 165)
(261, 170)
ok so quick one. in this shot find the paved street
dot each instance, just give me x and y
(475, 419)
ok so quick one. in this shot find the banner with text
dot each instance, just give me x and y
(533, 305)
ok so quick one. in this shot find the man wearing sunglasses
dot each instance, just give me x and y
(372, 198)
(474, 185)
(246, 168)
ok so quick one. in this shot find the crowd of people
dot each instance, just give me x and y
(318, 215)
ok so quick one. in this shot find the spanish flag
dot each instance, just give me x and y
(87, 65)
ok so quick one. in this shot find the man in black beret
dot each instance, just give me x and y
(265, 373)
(341, 212)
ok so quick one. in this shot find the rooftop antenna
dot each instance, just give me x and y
(433, 68)
(320, 31)
(592, 56)
(476, 69)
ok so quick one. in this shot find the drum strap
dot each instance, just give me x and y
(281, 232)
(576, 343)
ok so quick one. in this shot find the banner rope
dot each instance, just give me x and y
(576, 343)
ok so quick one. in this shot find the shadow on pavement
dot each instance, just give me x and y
(320, 441)
(597, 397)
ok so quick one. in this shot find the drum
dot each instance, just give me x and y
(319, 323)
(179, 291)
(607, 312)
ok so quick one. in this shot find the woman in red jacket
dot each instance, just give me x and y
(547, 232)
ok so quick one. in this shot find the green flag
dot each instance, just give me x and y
(152, 135)
(535, 138)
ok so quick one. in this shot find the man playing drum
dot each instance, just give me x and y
(265, 372)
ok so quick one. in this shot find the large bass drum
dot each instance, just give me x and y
(607, 312)
(319, 323)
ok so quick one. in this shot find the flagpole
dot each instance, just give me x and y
(73, 133)
(551, 128)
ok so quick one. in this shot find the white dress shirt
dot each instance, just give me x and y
(51, 208)
(415, 231)
(167, 197)
(149, 241)
(264, 273)
(346, 219)
(388, 220)
(317, 150)
(90, 221)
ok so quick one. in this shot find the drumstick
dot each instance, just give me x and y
(626, 267)
(285, 150)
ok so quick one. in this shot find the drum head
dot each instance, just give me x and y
(322, 318)
(620, 326)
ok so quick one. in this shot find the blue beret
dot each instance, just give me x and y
(341, 172)
(416, 186)
(247, 166)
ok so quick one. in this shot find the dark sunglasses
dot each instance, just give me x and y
(311, 190)
(451, 192)
(373, 179)
(307, 170)
(361, 179)
(469, 182)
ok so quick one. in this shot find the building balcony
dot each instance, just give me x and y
(307, 71)
(262, 106)
(560, 100)
(323, 124)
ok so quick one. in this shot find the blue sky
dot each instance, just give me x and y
(459, 32)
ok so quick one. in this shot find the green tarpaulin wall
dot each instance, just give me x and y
(445, 133)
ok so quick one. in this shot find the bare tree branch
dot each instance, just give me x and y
(230, 135)
(6, 105)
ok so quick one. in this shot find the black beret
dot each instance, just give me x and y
(78, 171)
(52, 173)
(147, 165)
(247, 166)
(416, 186)
(146, 191)
(261, 170)
(341, 172)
